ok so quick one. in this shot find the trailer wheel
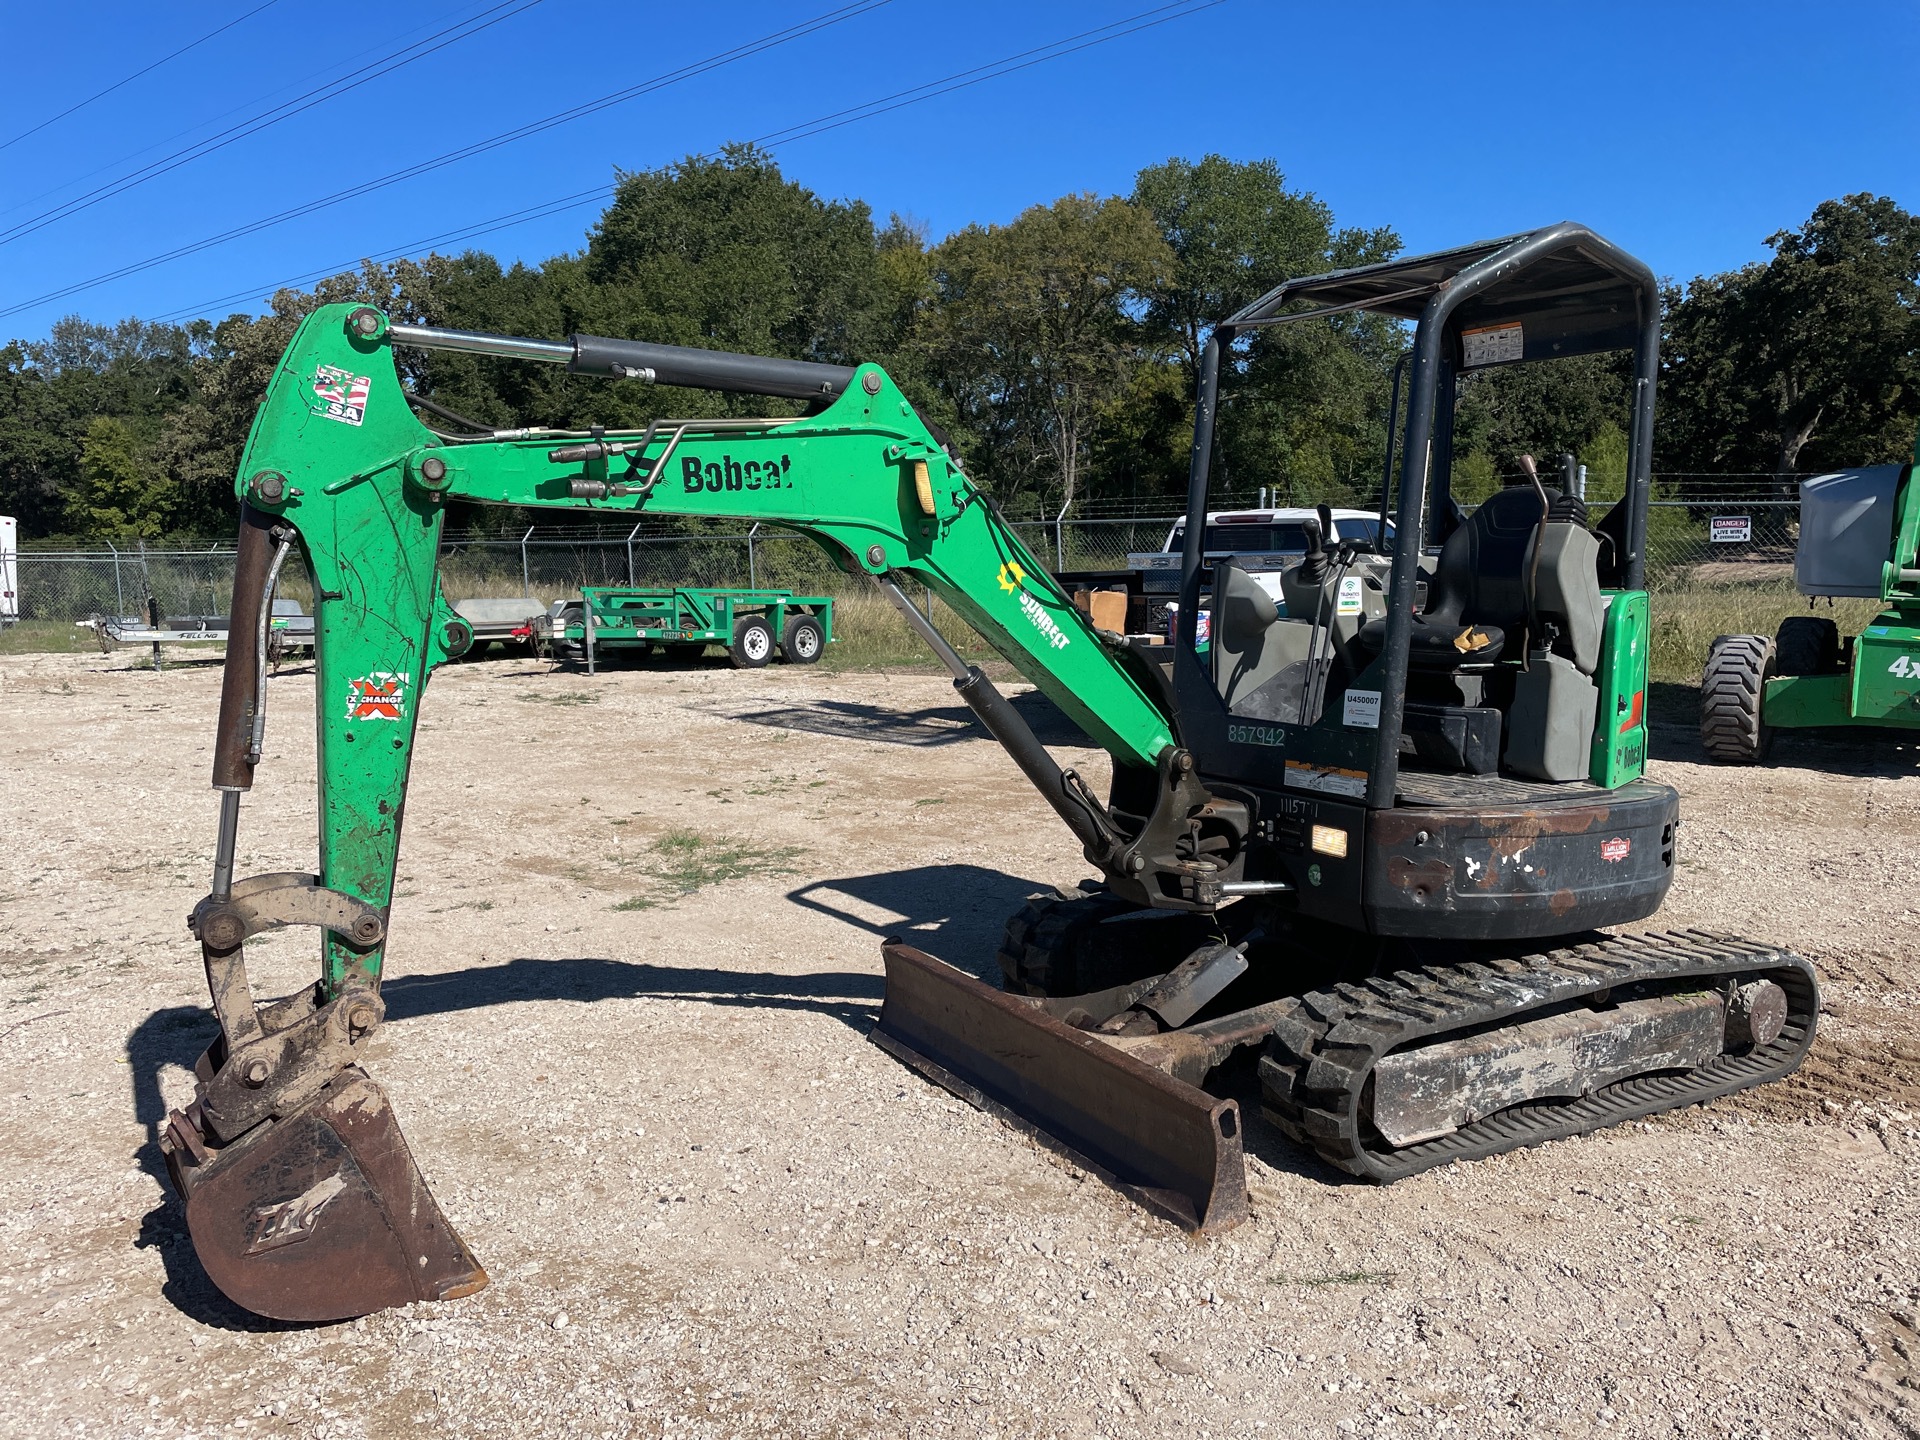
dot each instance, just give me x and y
(1732, 692)
(1807, 645)
(752, 643)
(803, 641)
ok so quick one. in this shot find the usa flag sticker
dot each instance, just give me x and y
(340, 394)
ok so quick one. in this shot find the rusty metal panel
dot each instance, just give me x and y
(1433, 1090)
(1170, 1146)
(321, 1215)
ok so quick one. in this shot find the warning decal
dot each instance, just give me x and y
(1493, 345)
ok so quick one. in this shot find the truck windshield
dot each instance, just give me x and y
(1285, 537)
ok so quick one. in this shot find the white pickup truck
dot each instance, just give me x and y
(1263, 541)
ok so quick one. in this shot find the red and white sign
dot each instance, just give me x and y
(379, 696)
(1615, 850)
(1730, 529)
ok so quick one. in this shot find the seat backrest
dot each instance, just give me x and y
(1252, 641)
(1481, 577)
(1487, 569)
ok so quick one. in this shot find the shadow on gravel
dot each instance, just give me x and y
(953, 912)
(1673, 733)
(852, 999)
(936, 725)
(176, 1036)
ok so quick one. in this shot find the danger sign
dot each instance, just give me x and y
(1730, 529)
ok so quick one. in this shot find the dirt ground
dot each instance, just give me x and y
(711, 1208)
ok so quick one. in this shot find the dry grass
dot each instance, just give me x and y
(1687, 618)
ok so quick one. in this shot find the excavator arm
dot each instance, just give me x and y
(302, 1199)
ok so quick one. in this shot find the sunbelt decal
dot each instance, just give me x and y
(1012, 579)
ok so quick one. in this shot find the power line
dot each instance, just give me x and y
(102, 94)
(333, 89)
(806, 129)
(157, 142)
(672, 77)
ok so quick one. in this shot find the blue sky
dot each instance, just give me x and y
(1687, 133)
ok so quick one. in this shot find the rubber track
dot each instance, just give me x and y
(1319, 1058)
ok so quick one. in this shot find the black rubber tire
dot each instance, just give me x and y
(1732, 727)
(752, 642)
(804, 641)
(572, 651)
(1057, 946)
(1807, 645)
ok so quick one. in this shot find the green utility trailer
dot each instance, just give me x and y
(1859, 532)
(752, 624)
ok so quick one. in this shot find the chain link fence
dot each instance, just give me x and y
(1731, 545)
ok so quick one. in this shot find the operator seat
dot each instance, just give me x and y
(1477, 607)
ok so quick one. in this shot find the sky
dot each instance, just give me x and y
(1685, 132)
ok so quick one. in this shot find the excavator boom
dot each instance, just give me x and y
(340, 472)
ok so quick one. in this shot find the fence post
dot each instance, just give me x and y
(119, 600)
(1059, 537)
(526, 575)
(631, 582)
(753, 569)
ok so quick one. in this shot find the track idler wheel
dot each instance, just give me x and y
(319, 1214)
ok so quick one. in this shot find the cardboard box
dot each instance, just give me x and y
(1107, 609)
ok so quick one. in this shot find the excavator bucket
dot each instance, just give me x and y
(1169, 1146)
(320, 1214)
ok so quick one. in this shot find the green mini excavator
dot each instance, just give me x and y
(1360, 846)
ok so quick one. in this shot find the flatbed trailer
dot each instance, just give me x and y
(752, 624)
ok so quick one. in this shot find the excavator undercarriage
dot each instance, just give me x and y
(1356, 855)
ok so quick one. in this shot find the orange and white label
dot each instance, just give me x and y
(379, 696)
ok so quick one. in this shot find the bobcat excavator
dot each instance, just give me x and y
(1361, 843)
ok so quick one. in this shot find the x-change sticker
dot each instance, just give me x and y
(379, 696)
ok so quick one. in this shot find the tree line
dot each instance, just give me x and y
(1059, 350)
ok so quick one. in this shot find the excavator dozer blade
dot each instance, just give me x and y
(1170, 1146)
(320, 1214)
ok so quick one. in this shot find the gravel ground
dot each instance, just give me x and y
(711, 1208)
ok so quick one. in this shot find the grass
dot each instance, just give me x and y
(1345, 1277)
(577, 697)
(44, 637)
(1687, 618)
(681, 862)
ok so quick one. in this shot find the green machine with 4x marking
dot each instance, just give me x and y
(1859, 539)
(1376, 835)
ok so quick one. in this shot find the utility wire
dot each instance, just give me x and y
(102, 94)
(214, 119)
(806, 129)
(658, 82)
(353, 80)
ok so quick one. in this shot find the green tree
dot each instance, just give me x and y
(116, 492)
(1811, 359)
(1035, 329)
